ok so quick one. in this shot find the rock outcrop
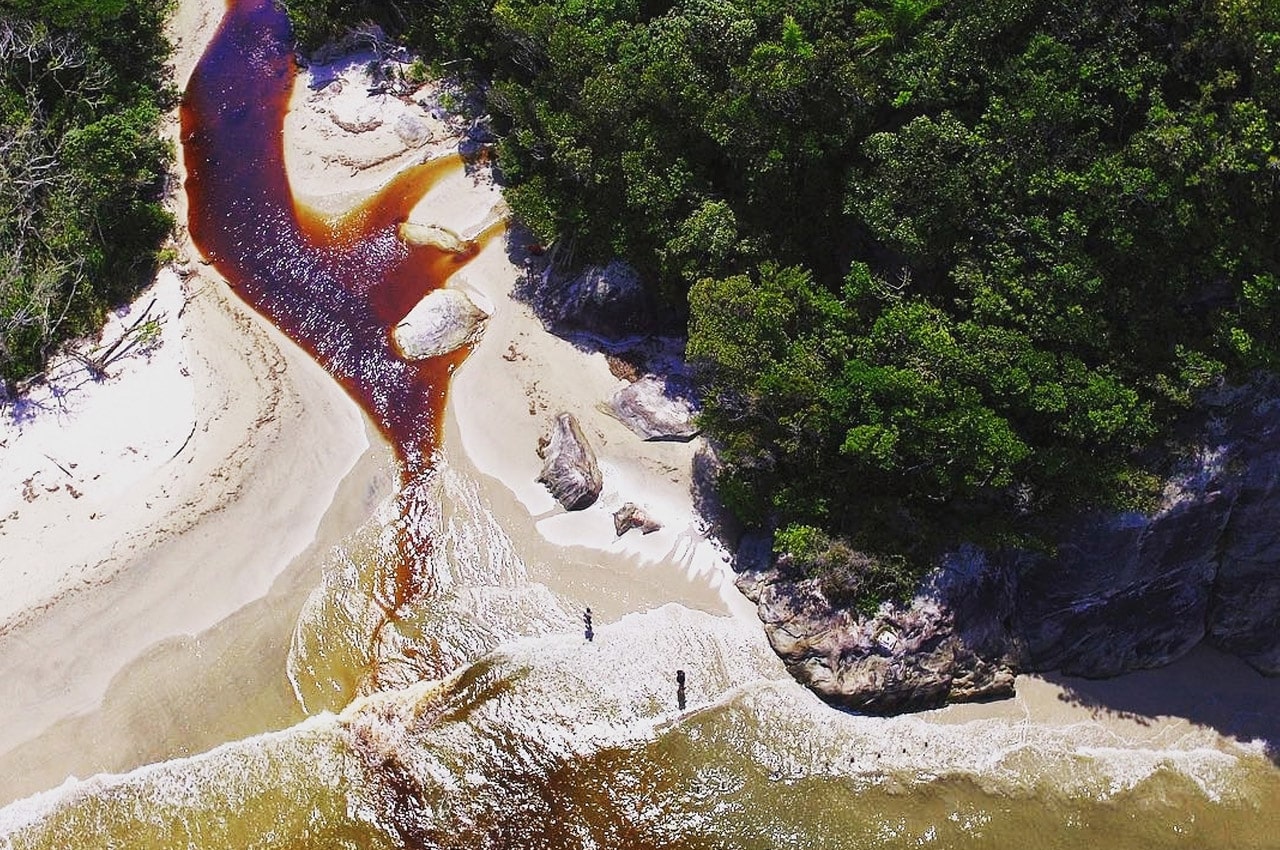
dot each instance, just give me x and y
(631, 516)
(1133, 591)
(570, 470)
(948, 645)
(649, 409)
(1123, 592)
(607, 302)
(433, 235)
(443, 321)
(1244, 605)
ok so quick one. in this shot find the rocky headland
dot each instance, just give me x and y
(1122, 592)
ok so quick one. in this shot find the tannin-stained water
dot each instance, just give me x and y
(335, 286)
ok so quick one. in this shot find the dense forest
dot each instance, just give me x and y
(951, 268)
(82, 165)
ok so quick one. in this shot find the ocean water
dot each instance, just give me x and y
(454, 703)
(551, 741)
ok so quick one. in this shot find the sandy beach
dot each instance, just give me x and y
(161, 529)
(150, 507)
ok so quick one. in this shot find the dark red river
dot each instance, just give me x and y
(335, 286)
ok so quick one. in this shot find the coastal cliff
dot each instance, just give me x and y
(1122, 592)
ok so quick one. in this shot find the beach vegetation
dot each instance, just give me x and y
(82, 166)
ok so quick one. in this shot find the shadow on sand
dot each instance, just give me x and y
(1206, 687)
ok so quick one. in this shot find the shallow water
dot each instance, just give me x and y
(549, 741)
(552, 742)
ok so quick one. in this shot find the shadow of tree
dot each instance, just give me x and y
(1206, 687)
(637, 337)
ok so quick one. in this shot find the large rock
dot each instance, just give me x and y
(413, 130)
(607, 302)
(631, 516)
(1125, 592)
(570, 470)
(653, 412)
(443, 321)
(949, 644)
(1132, 591)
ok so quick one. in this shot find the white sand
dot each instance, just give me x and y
(342, 142)
(504, 398)
(160, 501)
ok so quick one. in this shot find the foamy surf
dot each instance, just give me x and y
(557, 741)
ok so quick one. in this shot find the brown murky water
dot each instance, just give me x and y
(335, 286)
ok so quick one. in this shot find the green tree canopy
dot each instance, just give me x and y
(952, 267)
(82, 90)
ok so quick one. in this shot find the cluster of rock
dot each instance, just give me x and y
(445, 319)
(1124, 592)
(570, 470)
(609, 305)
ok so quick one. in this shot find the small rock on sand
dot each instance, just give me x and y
(433, 235)
(631, 516)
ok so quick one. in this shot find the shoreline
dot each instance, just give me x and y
(151, 508)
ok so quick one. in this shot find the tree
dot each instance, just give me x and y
(81, 165)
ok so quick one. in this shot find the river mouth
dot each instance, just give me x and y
(335, 285)
(550, 741)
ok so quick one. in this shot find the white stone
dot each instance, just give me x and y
(434, 235)
(443, 321)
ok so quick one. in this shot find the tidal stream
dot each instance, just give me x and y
(335, 286)
(549, 742)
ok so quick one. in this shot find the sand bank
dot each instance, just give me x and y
(154, 505)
